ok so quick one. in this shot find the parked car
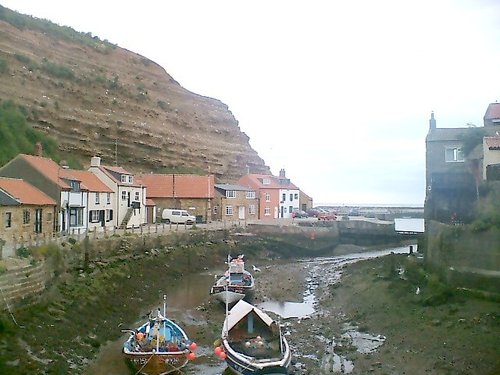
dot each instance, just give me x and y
(299, 214)
(327, 216)
(177, 216)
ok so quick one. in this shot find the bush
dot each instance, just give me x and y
(23, 252)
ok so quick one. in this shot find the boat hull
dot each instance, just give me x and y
(229, 296)
(157, 364)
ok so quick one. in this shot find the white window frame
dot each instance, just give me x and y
(230, 194)
(108, 198)
(267, 211)
(229, 210)
(251, 209)
(266, 181)
(97, 198)
(268, 197)
(454, 155)
(123, 178)
(250, 195)
(124, 195)
(94, 216)
(137, 196)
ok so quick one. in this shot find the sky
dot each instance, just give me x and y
(338, 93)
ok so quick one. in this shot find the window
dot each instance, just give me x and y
(230, 194)
(266, 181)
(229, 210)
(130, 179)
(76, 217)
(26, 216)
(97, 198)
(123, 178)
(296, 196)
(49, 216)
(268, 197)
(109, 215)
(250, 194)
(75, 186)
(137, 196)
(108, 198)
(267, 211)
(290, 209)
(94, 216)
(283, 197)
(453, 154)
(8, 219)
(124, 195)
(291, 196)
(251, 209)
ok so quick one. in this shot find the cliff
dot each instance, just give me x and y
(98, 99)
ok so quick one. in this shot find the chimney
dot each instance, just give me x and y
(282, 172)
(38, 149)
(432, 122)
(95, 161)
(63, 164)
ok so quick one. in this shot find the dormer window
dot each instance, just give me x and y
(266, 181)
(75, 185)
(127, 179)
(230, 194)
(123, 178)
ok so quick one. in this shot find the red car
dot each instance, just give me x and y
(327, 216)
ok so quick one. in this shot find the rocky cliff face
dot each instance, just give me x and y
(98, 99)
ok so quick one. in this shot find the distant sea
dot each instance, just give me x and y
(410, 205)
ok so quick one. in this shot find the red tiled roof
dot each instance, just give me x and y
(493, 111)
(49, 168)
(493, 143)
(256, 182)
(150, 202)
(24, 192)
(90, 181)
(180, 185)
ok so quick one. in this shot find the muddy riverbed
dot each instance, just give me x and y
(341, 316)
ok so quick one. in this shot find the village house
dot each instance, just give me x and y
(452, 177)
(305, 201)
(192, 193)
(56, 182)
(27, 215)
(130, 194)
(101, 201)
(278, 197)
(234, 202)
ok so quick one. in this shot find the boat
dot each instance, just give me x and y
(159, 346)
(236, 283)
(252, 342)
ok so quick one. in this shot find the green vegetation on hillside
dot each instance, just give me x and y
(16, 136)
(22, 22)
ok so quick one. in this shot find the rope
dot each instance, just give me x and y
(8, 308)
(139, 371)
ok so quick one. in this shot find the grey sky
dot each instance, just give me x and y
(338, 93)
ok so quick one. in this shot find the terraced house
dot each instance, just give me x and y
(27, 215)
(234, 202)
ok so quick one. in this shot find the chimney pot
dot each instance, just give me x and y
(38, 149)
(95, 161)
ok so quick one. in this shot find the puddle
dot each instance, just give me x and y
(364, 342)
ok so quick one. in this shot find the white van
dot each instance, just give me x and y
(177, 216)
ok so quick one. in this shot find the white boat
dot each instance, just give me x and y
(236, 283)
(252, 342)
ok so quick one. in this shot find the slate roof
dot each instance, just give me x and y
(180, 185)
(227, 187)
(24, 192)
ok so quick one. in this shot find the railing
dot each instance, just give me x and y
(78, 234)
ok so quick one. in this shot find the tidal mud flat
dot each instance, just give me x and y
(371, 316)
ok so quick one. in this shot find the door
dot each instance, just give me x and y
(128, 199)
(241, 212)
(102, 217)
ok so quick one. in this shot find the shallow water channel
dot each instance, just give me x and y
(185, 299)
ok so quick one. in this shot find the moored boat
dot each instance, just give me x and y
(159, 346)
(236, 283)
(252, 342)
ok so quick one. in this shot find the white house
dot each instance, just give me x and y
(130, 196)
(289, 195)
(101, 201)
